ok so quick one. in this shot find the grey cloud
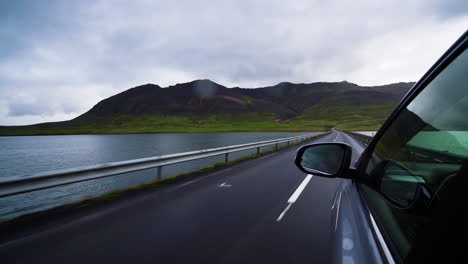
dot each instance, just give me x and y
(22, 109)
(93, 49)
(450, 8)
(40, 105)
(25, 22)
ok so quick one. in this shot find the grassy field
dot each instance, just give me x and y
(333, 115)
(315, 118)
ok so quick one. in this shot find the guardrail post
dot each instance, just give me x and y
(258, 150)
(288, 142)
(226, 157)
(276, 146)
(159, 172)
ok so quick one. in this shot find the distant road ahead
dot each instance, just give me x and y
(260, 211)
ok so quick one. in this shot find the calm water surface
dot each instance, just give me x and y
(23, 156)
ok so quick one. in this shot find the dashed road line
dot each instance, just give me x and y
(294, 196)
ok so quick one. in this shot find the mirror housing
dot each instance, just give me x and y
(329, 160)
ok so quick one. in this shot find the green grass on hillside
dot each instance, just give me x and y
(316, 118)
(164, 123)
(333, 115)
(373, 125)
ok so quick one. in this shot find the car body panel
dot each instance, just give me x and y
(353, 233)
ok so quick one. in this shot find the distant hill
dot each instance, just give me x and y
(203, 106)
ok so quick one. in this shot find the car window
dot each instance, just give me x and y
(419, 155)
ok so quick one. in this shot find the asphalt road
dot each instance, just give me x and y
(261, 211)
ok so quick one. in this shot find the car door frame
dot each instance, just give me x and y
(458, 47)
(387, 249)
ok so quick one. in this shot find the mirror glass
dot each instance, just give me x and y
(323, 159)
(400, 185)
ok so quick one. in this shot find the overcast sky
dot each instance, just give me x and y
(59, 58)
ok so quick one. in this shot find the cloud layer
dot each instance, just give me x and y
(58, 60)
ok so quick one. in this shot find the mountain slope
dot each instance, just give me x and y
(203, 105)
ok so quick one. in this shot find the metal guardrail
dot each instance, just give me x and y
(13, 185)
(360, 137)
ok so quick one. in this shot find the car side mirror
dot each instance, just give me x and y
(324, 159)
(403, 188)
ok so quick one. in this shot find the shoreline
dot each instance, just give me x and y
(11, 227)
(168, 132)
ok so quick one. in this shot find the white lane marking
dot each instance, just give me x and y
(190, 182)
(187, 183)
(225, 185)
(267, 156)
(294, 196)
(284, 212)
(299, 189)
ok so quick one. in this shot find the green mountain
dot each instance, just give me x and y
(205, 106)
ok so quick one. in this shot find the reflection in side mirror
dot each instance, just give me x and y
(403, 188)
(325, 159)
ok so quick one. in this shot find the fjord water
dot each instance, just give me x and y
(23, 156)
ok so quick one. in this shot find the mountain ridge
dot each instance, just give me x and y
(204, 105)
(201, 97)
